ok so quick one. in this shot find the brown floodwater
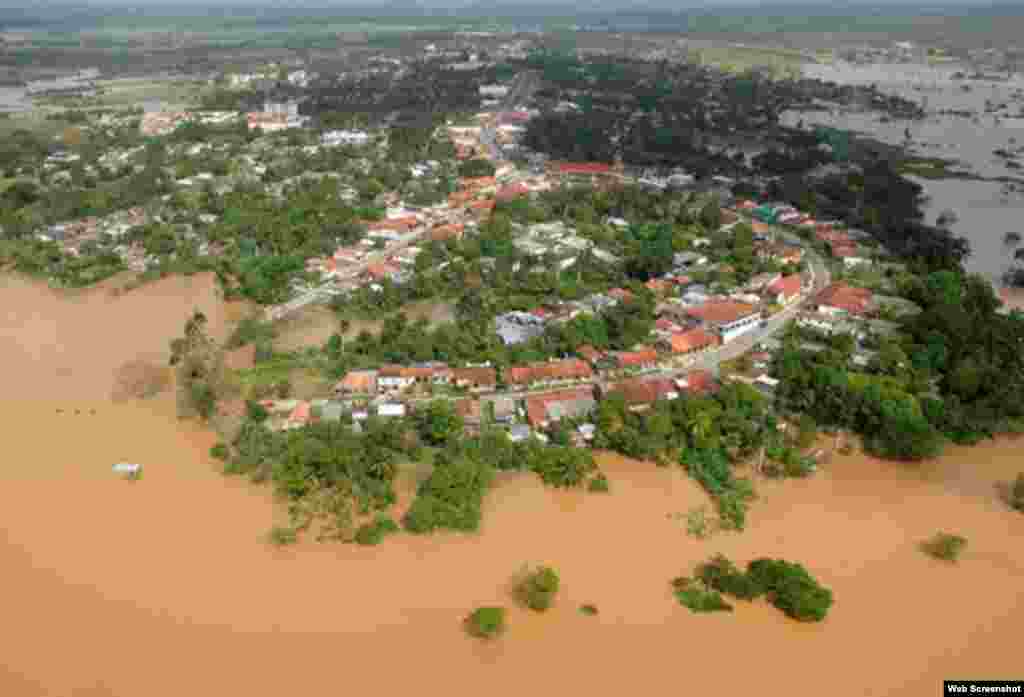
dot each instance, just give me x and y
(166, 587)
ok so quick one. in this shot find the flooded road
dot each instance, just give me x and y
(165, 586)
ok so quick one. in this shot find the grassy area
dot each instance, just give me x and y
(927, 168)
(34, 121)
(738, 59)
(301, 371)
(129, 92)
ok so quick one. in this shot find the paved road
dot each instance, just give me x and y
(323, 292)
(523, 85)
(820, 278)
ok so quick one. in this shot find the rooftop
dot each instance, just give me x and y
(721, 311)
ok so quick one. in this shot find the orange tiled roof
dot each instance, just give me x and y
(853, 300)
(692, 340)
(482, 375)
(568, 369)
(787, 285)
(700, 381)
(639, 391)
(537, 407)
(643, 356)
(721, 311)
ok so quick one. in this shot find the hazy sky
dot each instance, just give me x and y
(580, 5)
(51, 9)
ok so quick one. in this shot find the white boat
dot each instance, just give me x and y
(127, 468)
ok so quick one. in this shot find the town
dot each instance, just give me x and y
(515, 350)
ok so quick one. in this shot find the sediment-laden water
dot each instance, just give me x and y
(165, 586)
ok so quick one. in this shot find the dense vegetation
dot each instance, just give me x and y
(486, 622)
(707, 434)
(788, 586)
(955, 371)
(332, 474)
(944, 546)
(537, 589)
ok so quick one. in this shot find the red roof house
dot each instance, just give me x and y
(451, 231)
(785, 289)
(512, 191)
(584, 168)
(840, 298)
(639, 393)
(643, 358)
(552, 371)
(692, 340)
(542, 410)
(698, 382)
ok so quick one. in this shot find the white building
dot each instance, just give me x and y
(493, 91)
(739, 327)
(391, 410)
(344, 137)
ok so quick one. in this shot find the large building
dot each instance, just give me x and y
(726, 318)
(842, 299)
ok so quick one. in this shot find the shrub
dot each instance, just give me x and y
(219, 451)
(599, 484)
(722, 575)
(697, 523)
(451, 497)
(695, 595)
(562, 466)
(249, 331)
(375, 532)
(588, 609)
(1016, 494)
(254, 411)
(537, 589)
(800, 467)
(791, 589)
(733, 504)
(944, 546)
(280, 535)
(486, 622)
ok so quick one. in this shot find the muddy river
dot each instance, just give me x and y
(165, 586)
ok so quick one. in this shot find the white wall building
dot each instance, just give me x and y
(344, 137)
(737, 328)
(493, 91)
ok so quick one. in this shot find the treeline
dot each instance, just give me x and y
(472, 339)
(709, 435)
(334, 473)
(880, 200)
(955, 371)
(424, 89)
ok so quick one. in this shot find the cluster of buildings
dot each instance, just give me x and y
(561, 389)
(275, 117)
(70, 236)
(159, 123)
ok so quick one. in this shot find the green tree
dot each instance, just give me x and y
(439, 423)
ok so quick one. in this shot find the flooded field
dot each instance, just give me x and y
(110, 583)
(985, 211)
